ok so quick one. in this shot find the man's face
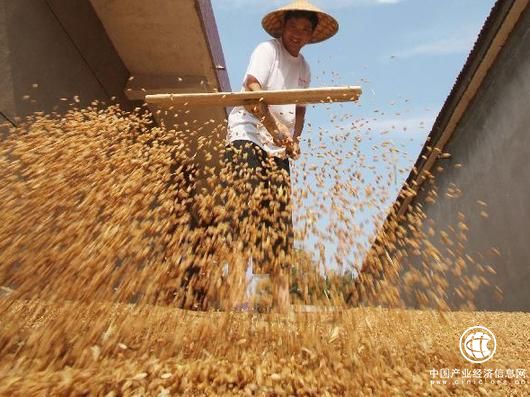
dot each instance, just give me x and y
(297, 32)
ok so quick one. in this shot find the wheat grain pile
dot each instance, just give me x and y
(106, 236)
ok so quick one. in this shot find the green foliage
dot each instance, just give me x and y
(311, 285)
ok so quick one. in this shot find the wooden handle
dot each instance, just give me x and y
(281, 97)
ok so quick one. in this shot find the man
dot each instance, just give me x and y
(262, 139)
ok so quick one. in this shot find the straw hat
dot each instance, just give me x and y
(327, 25)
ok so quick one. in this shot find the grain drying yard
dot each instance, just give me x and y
(111, 276)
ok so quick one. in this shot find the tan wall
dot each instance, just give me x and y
(61, 46)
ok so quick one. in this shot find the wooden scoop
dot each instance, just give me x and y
(280, 97)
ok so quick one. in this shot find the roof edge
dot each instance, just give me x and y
(209, 27)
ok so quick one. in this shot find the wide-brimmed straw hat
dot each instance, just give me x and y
(327, 25)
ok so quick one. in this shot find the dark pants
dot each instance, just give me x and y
(257, 199)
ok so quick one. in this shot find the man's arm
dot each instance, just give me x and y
(294, 150)
(279, 132)
(299, 122)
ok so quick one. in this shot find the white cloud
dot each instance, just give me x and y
(454, 44)
(227, 4)
(324, 4)
(333, 4)
(441, 47)
(420, 125)
(414, 126)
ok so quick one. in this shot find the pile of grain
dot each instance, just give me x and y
(161, 352)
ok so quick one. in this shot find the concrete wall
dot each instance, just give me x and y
(493, 143)
(51, 49)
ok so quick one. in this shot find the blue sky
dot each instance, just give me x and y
(406, 54)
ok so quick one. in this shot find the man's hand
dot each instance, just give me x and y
(281, 135)
(293, 151)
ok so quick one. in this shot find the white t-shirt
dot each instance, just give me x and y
(275, 69)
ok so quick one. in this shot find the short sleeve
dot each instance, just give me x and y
(261, 62)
